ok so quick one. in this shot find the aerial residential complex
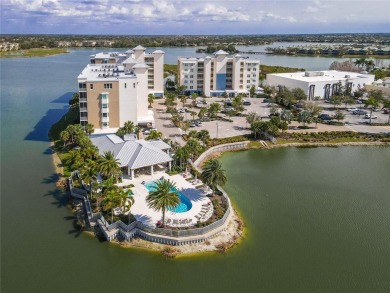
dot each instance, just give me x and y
(321, 83)
(213, 76)
(114, 87)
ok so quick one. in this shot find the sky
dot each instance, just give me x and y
(152, 17)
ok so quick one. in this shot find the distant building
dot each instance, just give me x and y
(212, 76)
(114, 87)
(321, 83)
(6, 46)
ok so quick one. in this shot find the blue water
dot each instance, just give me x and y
(185, 204)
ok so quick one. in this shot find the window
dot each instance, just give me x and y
(134, 85)
(108, 85)
(82, 85)
(91, 86)
(248, 75)
(311, 92)
(105, 115)
(191, 76)
(248, 81)
(327, 92)
(104, 106)
(191, 87)
(125, 85)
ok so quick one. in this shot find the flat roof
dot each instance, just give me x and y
(325, 75)
(104, 72)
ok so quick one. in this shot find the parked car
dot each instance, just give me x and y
(246, 103)
(198, 123)
(359, 112)
(297, 105)
(181, 110)
(359, 102)
(352, 109)
(192, 124)
(229, 109)
(266, 100)
(386, 111)
(367, 116)
(325, 117)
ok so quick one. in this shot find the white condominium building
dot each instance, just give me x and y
(321, 84)
(114, 87)
(212, 76)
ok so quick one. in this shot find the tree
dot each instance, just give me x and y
(286, 115)
(347, 100)
(108, 165)
(305, 117)
(180, 89)
(339, 115)
(299, 94)
(88, 174)
(110, 202)
(183, 100)
(185, 125)
(238, 104)
(370, 65)
(154, 134)
(151, 98)
(128, 128)
(193, 148)
(89, 129)
(193, 114)
(202, 113)
(170, 99)
(213, 174)
(256, 127)
(203, 136)
(181, 155)
(252, 91)
(163, 196)
(251, 117)
(214, 109)
(313, 108)
(360, 62)
(373, 101)
(335, 100)
(74, 101)
(64, 137)
(194, 96)
(386, 104)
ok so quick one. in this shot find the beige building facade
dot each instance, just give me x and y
(114, 88)
(213, 76)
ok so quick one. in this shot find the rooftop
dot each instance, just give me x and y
(325, 75)
(133, 153)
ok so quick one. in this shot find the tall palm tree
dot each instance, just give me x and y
(193, 97)
(128, 127)
(163, 196)
(125, 202)
(88, 174)
(213, 174)
(372, 102)
(181, 155)
(64, 137)
(193, 147)
(150, 100)
(110, 202)
(108, 166)
(183, 100)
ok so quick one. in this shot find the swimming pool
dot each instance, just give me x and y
(185, 204)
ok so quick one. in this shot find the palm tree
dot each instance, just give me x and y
(181, 155)
(386, 104)
(163, 196)
(154, 134)
(64, 137)
(193, 147)
(213, 174)
(110, 202)
(203, 136)
(75, 160)
(108, 165)
(256, 127)
(128, 127)
(150, 100)
(371, 102)
(193, 97)
(89, 129)
(88, 174)
(125, 202)
(183, 100)
(193, 114)
(202, 113)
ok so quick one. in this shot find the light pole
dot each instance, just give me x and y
(217, 128)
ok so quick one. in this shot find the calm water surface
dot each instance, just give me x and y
(318, 219)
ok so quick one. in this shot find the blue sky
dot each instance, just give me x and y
(131, 17)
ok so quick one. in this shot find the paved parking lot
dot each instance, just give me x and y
(239, 126)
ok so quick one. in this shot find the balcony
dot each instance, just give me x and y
(84, 109)
(105, 110)
(105, 119)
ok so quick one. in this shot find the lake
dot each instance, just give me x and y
(317, 219)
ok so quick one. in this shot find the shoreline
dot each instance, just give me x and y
(230, 237)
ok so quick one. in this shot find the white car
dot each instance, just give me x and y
(367, 116)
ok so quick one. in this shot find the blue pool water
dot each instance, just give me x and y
(185, 204)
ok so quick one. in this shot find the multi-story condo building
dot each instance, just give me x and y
(321, 84)
(213, 76)
(114, 87)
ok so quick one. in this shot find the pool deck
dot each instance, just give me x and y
(150, 217)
